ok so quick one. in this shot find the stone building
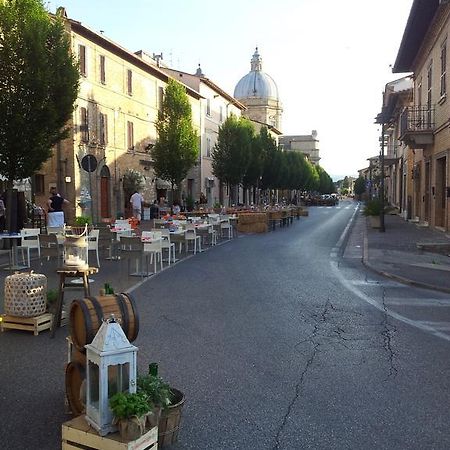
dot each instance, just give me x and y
(308, 145)
(112, 128)
(259, 93)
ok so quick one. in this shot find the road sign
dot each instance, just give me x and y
(89, 163)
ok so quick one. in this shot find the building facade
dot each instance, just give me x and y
(112, 128)
(259, 93)
(424, 125)
(308, 145)
(215, 106)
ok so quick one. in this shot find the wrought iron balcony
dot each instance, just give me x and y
(417, 126)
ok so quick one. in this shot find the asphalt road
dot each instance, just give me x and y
(279, 341)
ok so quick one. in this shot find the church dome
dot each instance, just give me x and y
(256, 84)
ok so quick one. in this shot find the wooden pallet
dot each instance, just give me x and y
(78, 434)
(34, 324)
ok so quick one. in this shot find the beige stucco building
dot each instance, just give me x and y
(424, 124)
(215, 106)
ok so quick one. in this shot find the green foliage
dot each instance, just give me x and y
(38, 86)
(326, 185)
(155, 389)
(80, 221)
(372, 208)
(176, 150)
(232, 152)
(132, 181)
(257, 157)
(125, 405)
(52, 296)
(360, 186)
(190, 203)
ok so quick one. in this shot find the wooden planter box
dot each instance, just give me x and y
(78, 434)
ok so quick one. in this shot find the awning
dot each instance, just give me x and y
(163, 184)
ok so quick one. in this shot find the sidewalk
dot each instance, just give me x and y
(397, 255)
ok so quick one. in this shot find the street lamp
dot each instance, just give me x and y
(382, 228)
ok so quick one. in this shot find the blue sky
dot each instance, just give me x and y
(329, 59)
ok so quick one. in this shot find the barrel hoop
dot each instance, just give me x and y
(87, 321)
(123, 310)
(99, 313)
(74, 403)
(135, 313)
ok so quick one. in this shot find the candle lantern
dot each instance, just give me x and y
(111, 368)
(76, 252)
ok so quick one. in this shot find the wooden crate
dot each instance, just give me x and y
(34, 324)
(78, 434)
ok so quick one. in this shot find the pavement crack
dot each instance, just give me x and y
(388, 333)
(322, 318)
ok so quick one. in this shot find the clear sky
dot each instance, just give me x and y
(330, 59)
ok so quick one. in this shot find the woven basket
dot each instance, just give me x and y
(25, 294)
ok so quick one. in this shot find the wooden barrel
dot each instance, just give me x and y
(76, 387)
(87, 314)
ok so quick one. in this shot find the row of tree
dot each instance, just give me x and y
(39, 80)
(254, 161)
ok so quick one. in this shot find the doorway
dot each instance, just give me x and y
(440, 194)
(105, 205)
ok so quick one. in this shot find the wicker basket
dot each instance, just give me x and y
(25, 294)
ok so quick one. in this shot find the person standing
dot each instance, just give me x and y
(136, 201)
(55, 217)
(2, 215)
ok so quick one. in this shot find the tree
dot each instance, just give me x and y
(359, 186)
(232, 151)
(38, 86)
(176, 149)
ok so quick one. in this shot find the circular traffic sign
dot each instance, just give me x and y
(89, 163)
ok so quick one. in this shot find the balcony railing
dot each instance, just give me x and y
(417, 119)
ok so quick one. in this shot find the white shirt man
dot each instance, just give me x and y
(136, 201)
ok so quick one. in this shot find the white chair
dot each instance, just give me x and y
(56, 230)
(190, 235)
(153, 247)
(167, 244)
(92, 240)
(132, 249)
(214, 220)
(225, 227)
(29, 241)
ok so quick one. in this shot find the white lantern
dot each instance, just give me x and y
(111, 368)
(75, 252)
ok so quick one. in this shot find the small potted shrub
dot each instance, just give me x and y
(372, 209)
(81, 221)
(130, 413)
(167, 401)
(52, 297)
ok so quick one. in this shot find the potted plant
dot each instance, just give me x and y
(130, 413)
(372, 209)
(52, 297)
(168, 402)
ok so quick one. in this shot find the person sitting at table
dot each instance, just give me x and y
(176, 208)
(154, 210)
(55, 217)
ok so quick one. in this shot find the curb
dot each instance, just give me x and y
(400, 279)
